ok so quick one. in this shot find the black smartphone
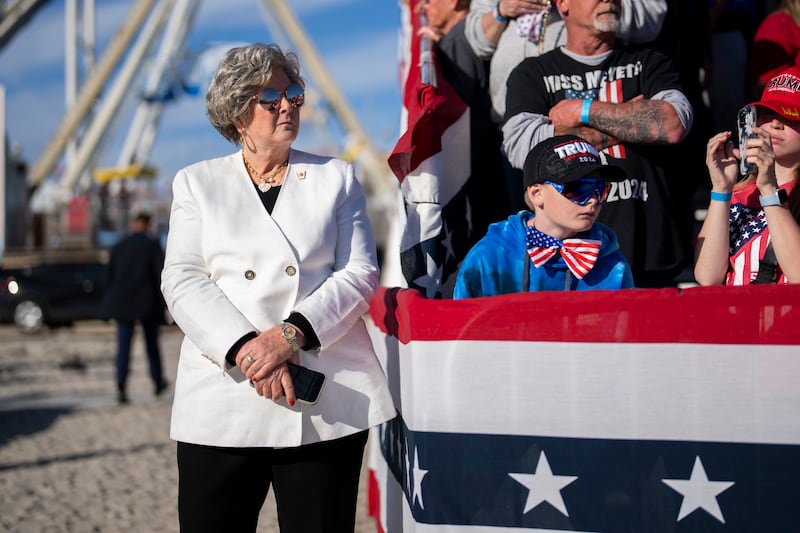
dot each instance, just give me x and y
(746, 120)
(307, 383)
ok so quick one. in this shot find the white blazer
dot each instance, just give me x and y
(232, 268)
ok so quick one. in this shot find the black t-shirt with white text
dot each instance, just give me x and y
(638, 209)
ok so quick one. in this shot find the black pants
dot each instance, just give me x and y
(316, 486)
(124, 339)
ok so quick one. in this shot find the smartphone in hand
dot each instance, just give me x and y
(307, 383)
(746, 121)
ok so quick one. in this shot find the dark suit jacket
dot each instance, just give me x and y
(133, 289)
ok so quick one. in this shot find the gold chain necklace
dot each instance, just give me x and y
(267, 181)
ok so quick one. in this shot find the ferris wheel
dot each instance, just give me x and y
(151, 45)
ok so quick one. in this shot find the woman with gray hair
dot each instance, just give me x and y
(270, 263)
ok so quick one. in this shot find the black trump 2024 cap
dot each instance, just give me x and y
(564, 159)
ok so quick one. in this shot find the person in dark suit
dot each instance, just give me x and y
(134, 293)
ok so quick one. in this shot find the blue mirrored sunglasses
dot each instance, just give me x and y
(582, 190)
(271, 98)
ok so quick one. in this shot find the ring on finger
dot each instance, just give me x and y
(250, 359)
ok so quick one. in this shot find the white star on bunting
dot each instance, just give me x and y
(407, 458)
(543, 486)
(419, 475)
(698, 492)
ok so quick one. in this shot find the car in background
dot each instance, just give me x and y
(52, 289)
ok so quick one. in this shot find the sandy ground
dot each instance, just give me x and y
(71, 459)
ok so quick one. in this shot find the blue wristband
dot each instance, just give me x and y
(497, 16)
(721, 196)
(585, 111)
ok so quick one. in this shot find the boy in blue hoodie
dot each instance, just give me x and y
(558, 246)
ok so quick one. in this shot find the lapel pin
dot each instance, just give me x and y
(301, 175)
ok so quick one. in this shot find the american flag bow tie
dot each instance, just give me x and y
(580, 255)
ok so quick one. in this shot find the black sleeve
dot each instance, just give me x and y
(659, 74)
(298, 320)
(462, 69)
(525, 90)
(230, 357)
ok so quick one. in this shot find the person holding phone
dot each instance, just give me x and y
(751, 232)
(270, 261)
(557, 245)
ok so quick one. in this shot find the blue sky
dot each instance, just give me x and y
(356, 39)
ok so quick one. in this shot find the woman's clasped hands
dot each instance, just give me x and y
(263, 360)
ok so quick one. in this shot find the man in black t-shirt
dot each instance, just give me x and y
(628, 103)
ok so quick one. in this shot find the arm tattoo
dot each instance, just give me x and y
(599, 139)
(637, 122)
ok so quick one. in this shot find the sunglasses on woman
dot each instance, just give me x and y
(271, 98)
(582, 190)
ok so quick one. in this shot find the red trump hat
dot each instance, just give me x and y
(782, 94)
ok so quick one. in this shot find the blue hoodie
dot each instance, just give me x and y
(500, 264)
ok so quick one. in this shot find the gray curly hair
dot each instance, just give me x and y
(241, 74)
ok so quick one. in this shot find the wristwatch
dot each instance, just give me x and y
(289, 333)
(779, 197)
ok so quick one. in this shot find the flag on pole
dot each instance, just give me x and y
(432, 162)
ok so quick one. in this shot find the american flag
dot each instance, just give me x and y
(745, 223)
(614, 411)
(608, 92)
(612, 92)
(749, 238)
(432, 162)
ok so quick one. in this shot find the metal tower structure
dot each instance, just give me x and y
(14, 14)
(130, 54)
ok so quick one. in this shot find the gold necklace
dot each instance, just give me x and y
(267, 180)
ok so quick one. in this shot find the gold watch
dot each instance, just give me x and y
(289, 333)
